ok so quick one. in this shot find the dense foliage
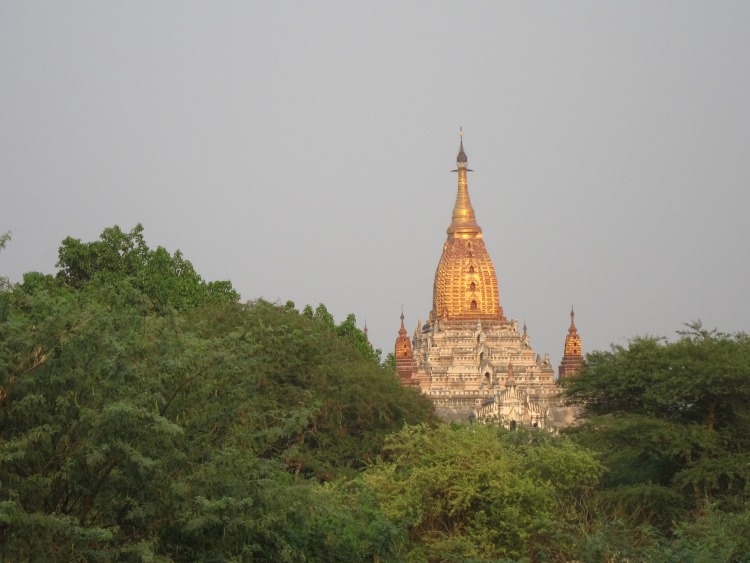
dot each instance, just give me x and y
(146, 415)
(484, 492)
(671, 422)
(4, 281)
(168, 281)
(134, 425)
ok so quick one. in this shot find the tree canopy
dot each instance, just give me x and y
(142, 420)
(167, 280)
(4, 281)
(484, 492)
(671, 422)
(147, 415)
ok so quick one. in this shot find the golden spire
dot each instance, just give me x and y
(572, 340)
(463, 223)
(573, 351)
(465, 282)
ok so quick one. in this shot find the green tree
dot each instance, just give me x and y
(390, 362)
(168, 280)
(192, 432)
(4, 238)
(352, 402)
(348, 329)
(671, 421)
(483, 492)
(180, 436)
(5, 284)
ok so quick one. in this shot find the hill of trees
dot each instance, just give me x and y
(147, 415)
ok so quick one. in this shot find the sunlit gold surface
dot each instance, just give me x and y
(463, 221)
(572, 340)
(465, 281)
(403, 343)
(573, 353)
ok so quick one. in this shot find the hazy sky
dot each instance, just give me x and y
(302, 150)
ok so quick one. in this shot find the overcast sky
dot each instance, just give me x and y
(302, 150)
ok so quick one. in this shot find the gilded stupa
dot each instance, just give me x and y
(572, 352)
(468, 357)
(465, 281)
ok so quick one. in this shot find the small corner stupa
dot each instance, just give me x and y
(572, 353)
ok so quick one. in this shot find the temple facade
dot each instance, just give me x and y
(472, 361)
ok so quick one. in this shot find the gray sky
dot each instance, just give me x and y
(302, 150)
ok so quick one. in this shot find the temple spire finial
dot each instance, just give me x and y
(572, 329)
(461, 158)
(463, 222)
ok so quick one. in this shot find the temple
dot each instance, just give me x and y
(470, 359)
